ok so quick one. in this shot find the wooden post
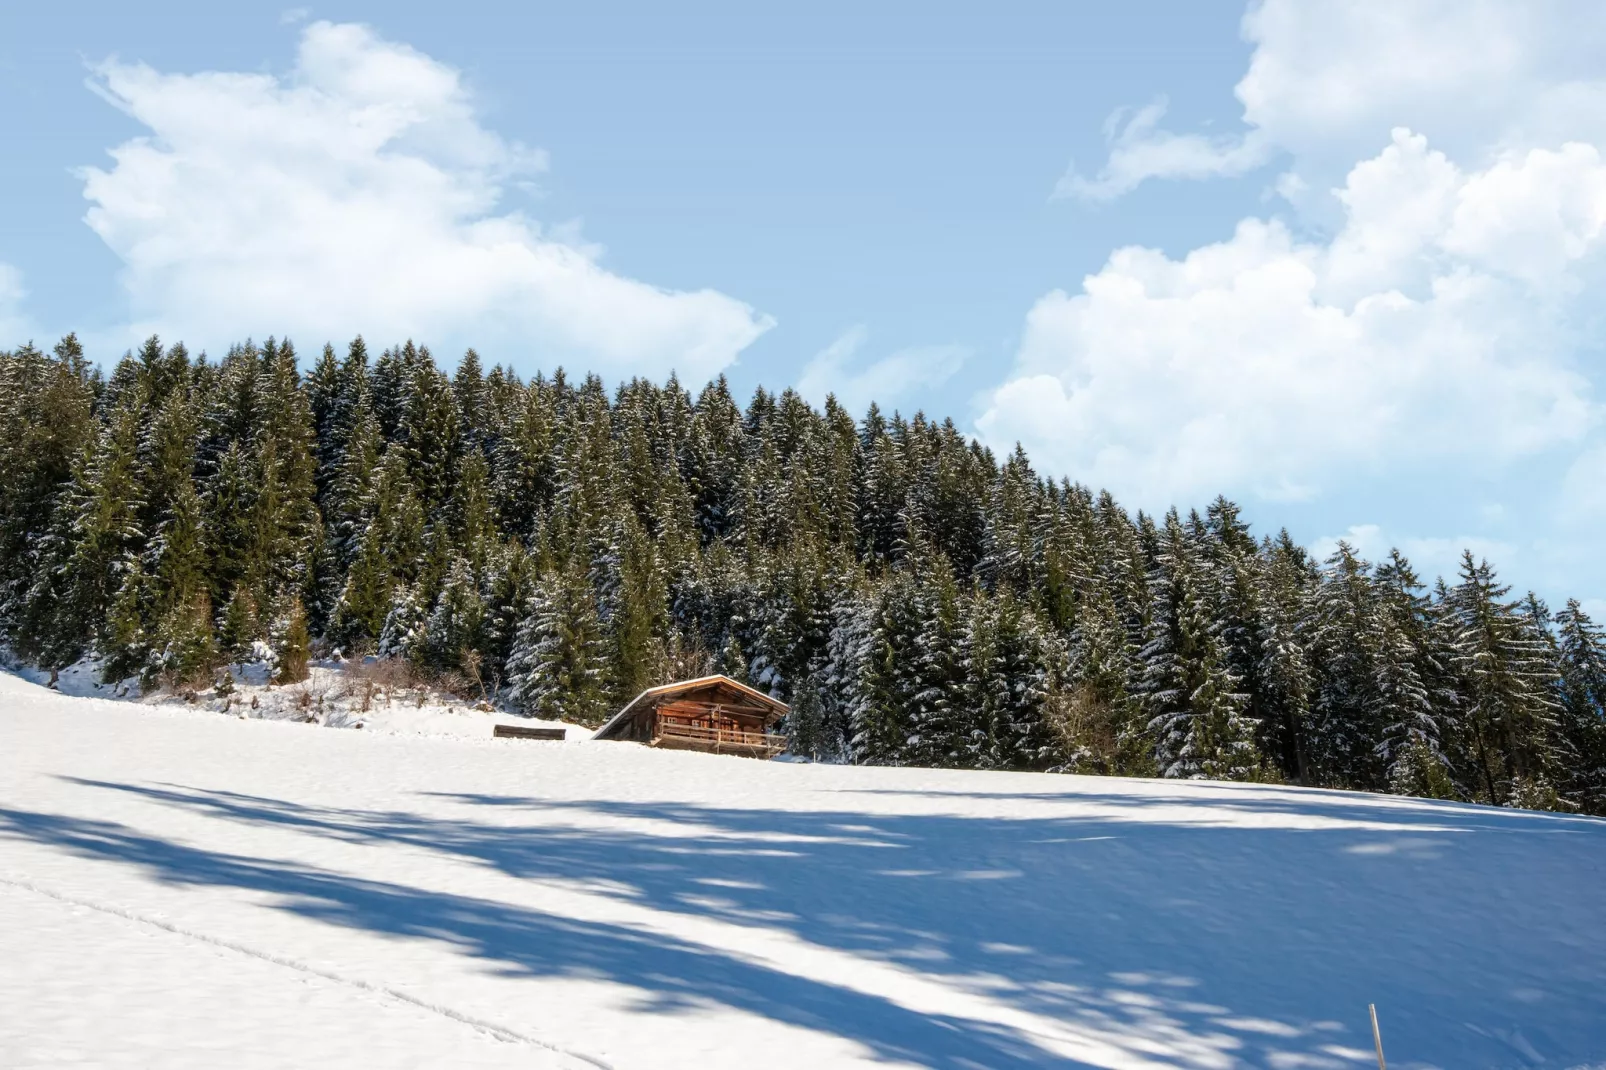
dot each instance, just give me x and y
(1377, 1037)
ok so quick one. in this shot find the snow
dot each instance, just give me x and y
(185, 888)
(332, 696)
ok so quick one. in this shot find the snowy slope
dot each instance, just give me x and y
(182, 888)
(331, 696)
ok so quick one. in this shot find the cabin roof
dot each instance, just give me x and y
(623, 717)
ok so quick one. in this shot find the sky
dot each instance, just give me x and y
(1337, 262)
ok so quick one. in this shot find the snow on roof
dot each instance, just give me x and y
(623, 716)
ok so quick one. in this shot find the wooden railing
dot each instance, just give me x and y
(721, 736)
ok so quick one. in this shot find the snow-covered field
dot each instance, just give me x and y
(180, 888)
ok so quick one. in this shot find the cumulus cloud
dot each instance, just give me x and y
(1327, 80)
(360, 193)
(1431, 326)
(856, 381)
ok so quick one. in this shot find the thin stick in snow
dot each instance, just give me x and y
(1377, 1037)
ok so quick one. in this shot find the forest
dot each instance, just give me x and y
(555, 547)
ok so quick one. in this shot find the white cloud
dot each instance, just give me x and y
(1139, 149)
(856, 381)
(1328, 80)
(359, 193)
(1432, 326)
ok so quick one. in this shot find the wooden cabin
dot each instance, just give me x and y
(712, 713)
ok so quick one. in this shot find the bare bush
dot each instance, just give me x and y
(388, 676)
(1086, 727)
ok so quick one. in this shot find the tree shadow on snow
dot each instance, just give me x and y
(1197, 942)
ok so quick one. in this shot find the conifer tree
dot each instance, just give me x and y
(432, 433)
(46, 424)
(124, 644)
(635, 592)
(1412, 746)
(1506, 689)
(1582, 649)
(455, 629)
(1008, 677)
(101, 549)
(883, 716)
(558, 667)
(732, 660)
(402, 634)
(241, 626)
(186, 651)
(1196, 712)
(294, 646)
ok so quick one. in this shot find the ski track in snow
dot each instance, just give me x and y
(492, 903)
(490, 1028)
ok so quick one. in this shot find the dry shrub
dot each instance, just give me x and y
(1087, 729)
(365, 680)
(457, 684)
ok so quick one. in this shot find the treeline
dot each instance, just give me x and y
(916, 599)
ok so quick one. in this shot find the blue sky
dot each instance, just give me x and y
(1334, 263)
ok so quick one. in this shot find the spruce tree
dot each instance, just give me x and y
(454, 634)
(1507, 687)
(1582, 649)
(1196, 712)
(101, 549)
(293, 649)
(558, 667)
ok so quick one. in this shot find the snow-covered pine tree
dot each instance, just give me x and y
(523, 464)
(841, 674)
(634, 590)
(1286, 673)
(124, 645)
(240, 627)
(185, 653)
(1347, 715)
(733, 660)
(402, 634)
(1582, 649)
(1099, 722)
(889, 679)
(943, 725)
(509, 588)
(1196, 714)
(431, 436)
(46, 422)
(881, 492)
(1007, 681)
(1412, 746)
(1507, 684)
(473, 412)
(559, 666)
(455, 629)
(101, 553)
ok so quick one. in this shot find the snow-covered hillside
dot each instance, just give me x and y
(184, 889)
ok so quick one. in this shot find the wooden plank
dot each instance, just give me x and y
(513, 731)
(680, 708)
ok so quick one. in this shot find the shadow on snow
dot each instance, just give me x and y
(1197, 943)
